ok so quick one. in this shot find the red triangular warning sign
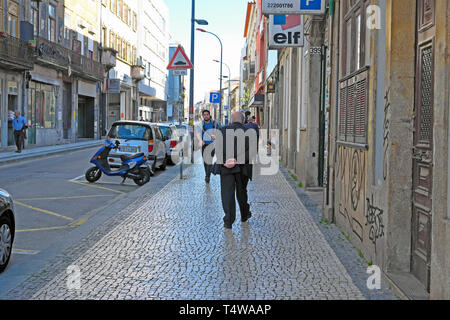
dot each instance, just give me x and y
(180, 60)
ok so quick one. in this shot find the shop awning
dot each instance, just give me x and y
(257, 100)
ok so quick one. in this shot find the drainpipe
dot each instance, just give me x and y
(338, 13)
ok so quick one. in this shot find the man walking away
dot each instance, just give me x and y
(19, 125)
(234, 176)
(206, 137)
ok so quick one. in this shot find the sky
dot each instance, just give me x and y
(227, 20)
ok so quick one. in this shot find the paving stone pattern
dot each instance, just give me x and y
(355, 265)
(174, 246)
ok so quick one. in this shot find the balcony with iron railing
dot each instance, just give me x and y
(15, 54)
(59, 57)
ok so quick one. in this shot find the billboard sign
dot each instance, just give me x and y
(311, 7)
(285, 31)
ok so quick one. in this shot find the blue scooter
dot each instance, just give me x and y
(133, 166)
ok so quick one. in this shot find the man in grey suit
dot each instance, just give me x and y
(235, 168)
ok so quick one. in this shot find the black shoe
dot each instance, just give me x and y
(207, 179)
(227, 226)
(18, 151)
(247, 217)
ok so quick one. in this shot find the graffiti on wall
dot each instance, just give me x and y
(351, 176)
(374, 219)
(386, 132)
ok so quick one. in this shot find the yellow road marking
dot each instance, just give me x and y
(98, 187)
(119, 184)
(63, 198)
(73, 225)
(23, 251)
(44, 229)
(42, 210)
(79, 223)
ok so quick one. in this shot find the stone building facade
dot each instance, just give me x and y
(388, 164)
(55, 77)
(362, 110)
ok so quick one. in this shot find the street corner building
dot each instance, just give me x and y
(361, 107)
(73, 67)
(54, 75)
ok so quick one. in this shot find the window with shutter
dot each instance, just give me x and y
(342, 110)
(350, 113)
(353, 108)
(353, 93)
(361, 108)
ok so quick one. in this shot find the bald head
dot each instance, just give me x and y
(237, 117)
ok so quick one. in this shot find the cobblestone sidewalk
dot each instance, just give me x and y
(175, 247)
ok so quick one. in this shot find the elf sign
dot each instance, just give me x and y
(285, 31)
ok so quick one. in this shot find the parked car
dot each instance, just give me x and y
(171, 138)
(136, 137)
(182, 128)
(7, 228)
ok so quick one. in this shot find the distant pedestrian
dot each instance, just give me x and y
(205, 136)
(234, 174)
(247, 115)
(251, 124)
(19, 125)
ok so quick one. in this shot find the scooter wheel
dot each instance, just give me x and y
(144, 177)
(93, 174)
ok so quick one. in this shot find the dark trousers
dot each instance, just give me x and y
(234, 186)
(19, 138)
(208, 167)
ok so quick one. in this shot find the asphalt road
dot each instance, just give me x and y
(52, 197)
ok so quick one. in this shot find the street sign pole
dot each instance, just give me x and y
(180, 117)
(179, 64)
(220, 103)
(191, 85)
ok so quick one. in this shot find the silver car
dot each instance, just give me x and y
(136, 137)
(171, 139)
(7, 228)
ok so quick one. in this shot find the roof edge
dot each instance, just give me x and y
(250, 4)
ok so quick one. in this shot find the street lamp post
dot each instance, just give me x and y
(221, 63)
(191, 85)
(229, 85)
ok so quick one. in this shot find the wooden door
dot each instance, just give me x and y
(423, 143)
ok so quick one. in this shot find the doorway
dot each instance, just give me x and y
(422, 175)
(33, 100)
(12, 107)
(67, 109)
(85, 117)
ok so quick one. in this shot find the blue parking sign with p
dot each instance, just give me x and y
(316, 5)
(214, 97)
